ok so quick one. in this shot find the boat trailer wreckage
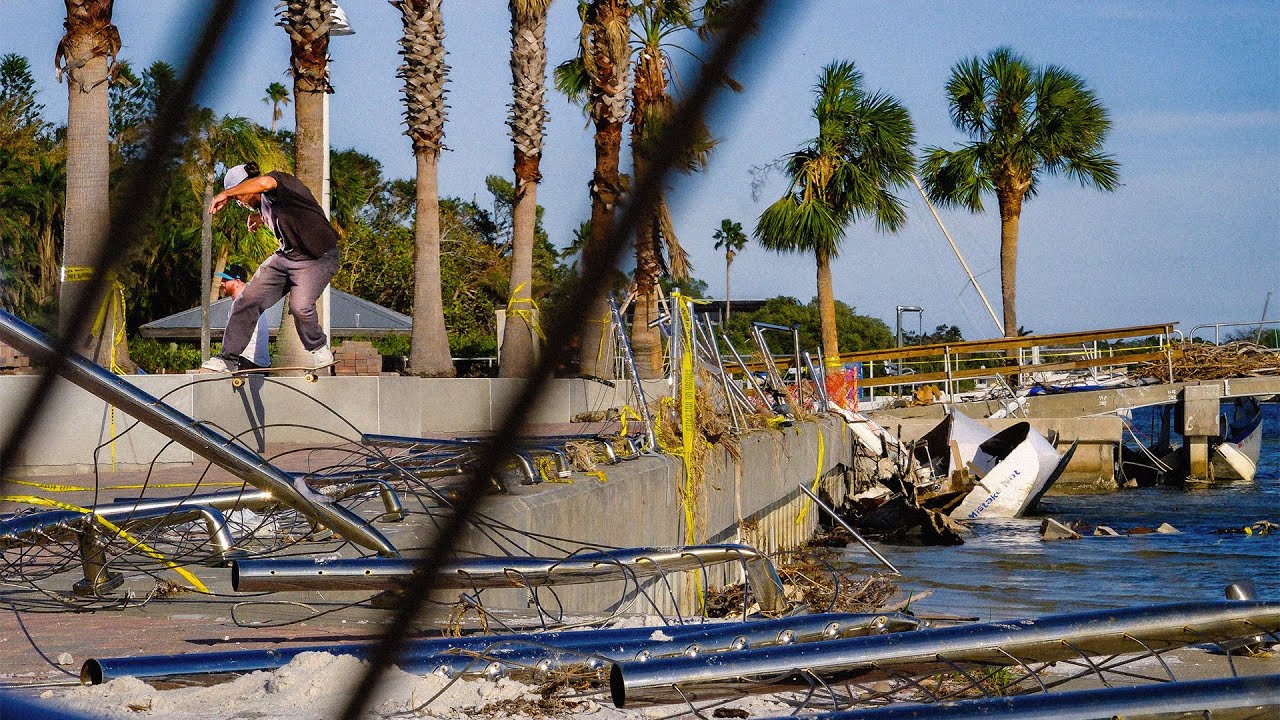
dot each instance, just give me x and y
(842, 665)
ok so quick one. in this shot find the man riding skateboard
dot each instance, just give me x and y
(303, 265)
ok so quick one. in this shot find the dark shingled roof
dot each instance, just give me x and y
(351, 317)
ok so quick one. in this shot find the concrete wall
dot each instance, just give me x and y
(284, 410)
(756, 501)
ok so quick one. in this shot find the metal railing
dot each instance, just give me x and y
(1217, 329)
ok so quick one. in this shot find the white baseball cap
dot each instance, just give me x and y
(234, 177)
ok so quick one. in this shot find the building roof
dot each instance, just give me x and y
(351, 317)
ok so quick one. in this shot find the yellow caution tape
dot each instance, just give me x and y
(529, 315)
(688, 407)
(817, 478)
(146, 550)
(598, 474)
(49, 487)
(623, 412)
(76, 274)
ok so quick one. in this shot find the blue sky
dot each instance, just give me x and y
(1193, 235)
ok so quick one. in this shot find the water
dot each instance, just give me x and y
(1006, 571)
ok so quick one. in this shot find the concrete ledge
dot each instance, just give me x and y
(281, 410)
(756, 501)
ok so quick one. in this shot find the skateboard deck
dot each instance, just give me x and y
(311, 374)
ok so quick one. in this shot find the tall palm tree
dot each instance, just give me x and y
(848, 172)
(307, 23)
(528, 118)
(277, 95)
(425, 73)
(603, 62)
(86, 55)
(731, 239)
(1024, 122)
(651, 105)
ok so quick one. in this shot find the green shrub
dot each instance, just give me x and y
(156, 356)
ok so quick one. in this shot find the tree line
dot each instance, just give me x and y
(450, 262)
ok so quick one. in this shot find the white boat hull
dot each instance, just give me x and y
(1013, 483)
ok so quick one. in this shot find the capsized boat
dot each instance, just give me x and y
(1015, 468)
(1235, 456)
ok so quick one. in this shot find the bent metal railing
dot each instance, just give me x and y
(202, 440)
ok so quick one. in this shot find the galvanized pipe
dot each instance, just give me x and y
(443, 654)
(1103, 632)
(215, 524)
(196, 437)
(270, 575)
(1233, 698)
(651, 437)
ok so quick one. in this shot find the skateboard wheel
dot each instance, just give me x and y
(237, 382)
(312, 377)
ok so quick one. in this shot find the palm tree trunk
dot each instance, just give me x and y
(310, 150)
(518, 339)
(646, 341)
(527, 121)
(608, 106)
(606, 181)
(728, 263)
(307, 23)
(1010, 212)
(827, 308)
(429, 354)
(87, 215)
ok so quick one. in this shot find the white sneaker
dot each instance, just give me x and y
(321, 356)
(217, 364)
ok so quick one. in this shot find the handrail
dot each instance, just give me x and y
(1218, 326)
(1025, 341)
(971, 373)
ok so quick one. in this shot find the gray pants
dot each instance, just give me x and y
(302, 280)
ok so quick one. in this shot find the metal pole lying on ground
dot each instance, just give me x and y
(850, 530)
(196, 437)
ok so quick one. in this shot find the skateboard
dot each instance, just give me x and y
(311, 374)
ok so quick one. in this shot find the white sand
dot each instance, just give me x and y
(315, 685)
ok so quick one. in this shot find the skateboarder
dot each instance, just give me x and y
(234, 280)
(303, 265)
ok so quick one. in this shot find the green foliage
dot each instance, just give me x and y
(373, 214)
(849, 171)
(157, 356)
(1024, 122)
(856, 332)
(940, 335)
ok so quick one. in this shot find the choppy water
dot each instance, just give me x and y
(1006, 571)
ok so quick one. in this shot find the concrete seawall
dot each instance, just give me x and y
(750, 495)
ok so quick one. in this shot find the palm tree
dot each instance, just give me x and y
(1024, 122)
(86, 55)
(277, 95)
(651, 105)
(307, 23)
(731, 239)
(846, 173)
(425, 73)
(603, 67)
(528, 118)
